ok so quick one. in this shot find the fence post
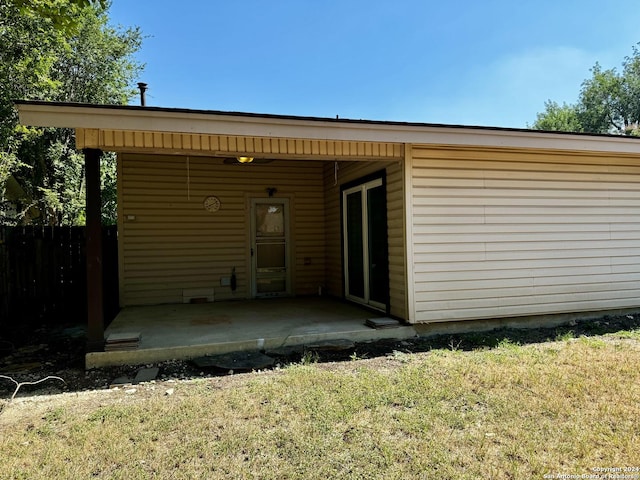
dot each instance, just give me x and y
(95, 318)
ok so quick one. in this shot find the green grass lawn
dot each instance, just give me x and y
(563, 407)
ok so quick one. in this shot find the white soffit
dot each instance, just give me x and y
(153, 119)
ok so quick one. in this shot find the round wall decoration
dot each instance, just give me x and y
(211, 204)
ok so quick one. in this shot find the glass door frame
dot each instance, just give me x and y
(363, 187)
(254, 246)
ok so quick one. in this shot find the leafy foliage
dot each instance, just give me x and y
(98, 65)
(563, 117)
(609, 102)
(62, 14)
(85, 60)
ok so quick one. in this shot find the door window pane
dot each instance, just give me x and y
(377, 231)
(269, 220)
(270, 255)
(354, 245)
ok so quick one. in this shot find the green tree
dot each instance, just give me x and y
(90, 63)
(27, 52)
(563, 118)
(609, 102)
(27, 44)
(62, 14)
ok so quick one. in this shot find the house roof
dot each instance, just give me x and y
(178, 120)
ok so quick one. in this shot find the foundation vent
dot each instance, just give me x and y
(197, 295)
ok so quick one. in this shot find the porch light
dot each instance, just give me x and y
(245, 159)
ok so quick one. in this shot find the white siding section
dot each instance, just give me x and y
(500, 233)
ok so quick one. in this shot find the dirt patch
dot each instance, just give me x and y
(60, 352)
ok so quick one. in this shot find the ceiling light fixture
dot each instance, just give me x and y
(245, 159)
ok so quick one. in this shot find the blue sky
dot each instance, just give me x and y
(487, 62)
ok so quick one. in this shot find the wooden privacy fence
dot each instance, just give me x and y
(43, 276)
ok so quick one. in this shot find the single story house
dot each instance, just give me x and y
(427, 223)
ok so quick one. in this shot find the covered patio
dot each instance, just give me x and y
(429, 224)
(184, 331)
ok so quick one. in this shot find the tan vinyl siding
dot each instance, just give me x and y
(348, 172)
(499, 233)
(173, 244)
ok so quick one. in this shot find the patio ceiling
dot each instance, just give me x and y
(228, 145)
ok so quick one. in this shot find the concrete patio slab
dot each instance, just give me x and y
(186, 331)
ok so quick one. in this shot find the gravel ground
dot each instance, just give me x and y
(60, 352)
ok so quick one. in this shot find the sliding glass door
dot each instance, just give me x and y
(366, 265)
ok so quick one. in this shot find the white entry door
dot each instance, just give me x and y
(270, 263)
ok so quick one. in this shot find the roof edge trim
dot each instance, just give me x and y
(124, 117)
